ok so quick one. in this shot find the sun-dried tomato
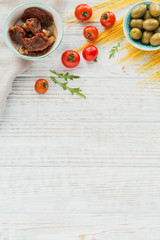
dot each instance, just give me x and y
(43, 17)
(34, 25)
(17, 34)
(37, 43)
(39, 53)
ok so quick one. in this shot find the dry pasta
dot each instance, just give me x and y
(99, 9)
(109, 36)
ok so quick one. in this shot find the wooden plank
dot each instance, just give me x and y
(80, 169)
(79, 227)
(106, 102)
(79, 190)
(32, 143)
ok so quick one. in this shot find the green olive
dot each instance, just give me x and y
(137, 23)
(146, 37)
(154, 9)
(157, 30)
(147, 15)
(136, 33)
(155, 39)
(139, 11)
(158, 19)
(150, 24)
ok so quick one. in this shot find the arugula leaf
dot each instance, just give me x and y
(65, 87)
(64, 76)
(115, 49)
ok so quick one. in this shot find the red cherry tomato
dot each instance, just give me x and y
(90, 32)
(90, 53)
(70, 59)
(83, 12)
(108, 19)
(41, 86)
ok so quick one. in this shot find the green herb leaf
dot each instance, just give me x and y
(71, 57)
(115, 49)
(64, 76)
(65, 87)
(95, 60)
(45, 85)
(85, 14)
(89, 35)
(105, 17)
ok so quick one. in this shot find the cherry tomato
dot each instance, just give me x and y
(108, 19)
(83, 12)
(90, 53)
(70, 59)
(90, 32)
(41, 86)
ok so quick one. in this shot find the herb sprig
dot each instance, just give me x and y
(65, 87)
(115, 49)
(65, 76)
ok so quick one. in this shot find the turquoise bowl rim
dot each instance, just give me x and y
(126, 29)
(14, 50)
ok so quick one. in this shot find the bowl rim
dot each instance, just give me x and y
(152, 48)
(14, 50)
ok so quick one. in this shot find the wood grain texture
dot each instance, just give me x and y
(98, 190)
(80, 169)
(81, 227)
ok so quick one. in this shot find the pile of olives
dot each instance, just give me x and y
(145, 24)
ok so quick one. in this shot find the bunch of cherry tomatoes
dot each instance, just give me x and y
(71, 59)
(83, 12)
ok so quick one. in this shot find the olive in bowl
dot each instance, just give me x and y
(33, 31)
(142, 26)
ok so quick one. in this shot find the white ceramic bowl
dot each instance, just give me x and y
(127, 29)
(16, 14)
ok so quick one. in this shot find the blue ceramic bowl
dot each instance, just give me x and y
(16, 14)
(127, 29)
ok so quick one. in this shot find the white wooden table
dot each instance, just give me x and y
(74, 169)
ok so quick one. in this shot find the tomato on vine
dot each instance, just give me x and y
(108, 19)
(90, 32)
(83, 12)
(70, 59)
(90, 53)
(41, 86)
